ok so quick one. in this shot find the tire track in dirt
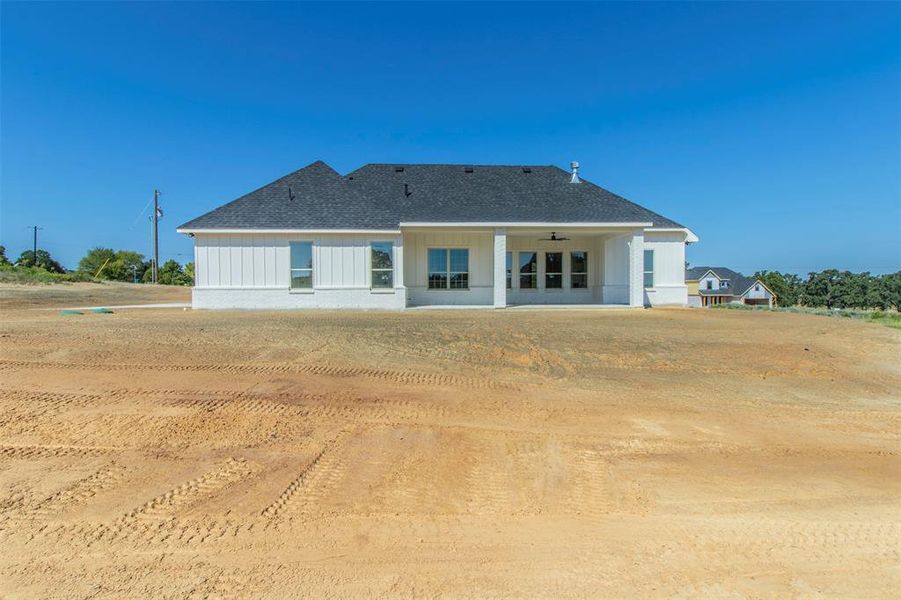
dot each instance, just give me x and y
(340, 405)
(195, 490)
(20, 410)
(770, 539)
(588, 482)
(82, 490)
(389, 376)
(156, 521)
(17, 498)
(159, 533)
(313, 482)
(41, 451)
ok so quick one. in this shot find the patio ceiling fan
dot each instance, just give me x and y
(554, 238)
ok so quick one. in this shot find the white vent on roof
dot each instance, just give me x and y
(575, 176)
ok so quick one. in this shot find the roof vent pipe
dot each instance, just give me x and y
(575, 176)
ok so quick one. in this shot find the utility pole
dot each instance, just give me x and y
(156, 236)
(34, 251)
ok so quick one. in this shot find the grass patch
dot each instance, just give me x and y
(38, 276)
(889, 318)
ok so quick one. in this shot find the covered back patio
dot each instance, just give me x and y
(525, 265)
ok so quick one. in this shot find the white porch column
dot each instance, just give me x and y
(399, 268)
(399, 262)
(636, 268)
(500, 267)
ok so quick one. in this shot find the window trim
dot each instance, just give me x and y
(447, 271)
(560, 273)
(648, 271)
(372, 270)
(312, 269)
(534, 273)
(572, 272)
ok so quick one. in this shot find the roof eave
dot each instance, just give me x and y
(690, 236)
(250, 230)
(523, 224)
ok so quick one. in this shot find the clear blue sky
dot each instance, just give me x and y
(772, 130)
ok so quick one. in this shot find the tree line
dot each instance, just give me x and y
(835, 289)
(103, 263)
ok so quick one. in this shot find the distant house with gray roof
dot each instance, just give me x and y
(708, 286)
(399, 235)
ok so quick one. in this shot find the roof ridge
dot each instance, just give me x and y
(408, 164)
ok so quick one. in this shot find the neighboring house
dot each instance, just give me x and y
(708, 286)
(398, 235)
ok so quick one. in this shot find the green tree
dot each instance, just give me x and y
(854, 289)
(885, 292)
(125, 265)
(892, 284)
(44, 261)
(4, 262)
(818, 289)
(95, 259)
(171, 273)
(786, 286)
(842, 289)
(189, 271)
(116, 265)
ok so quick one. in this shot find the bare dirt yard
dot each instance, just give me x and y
(66, 295)
(170, 453)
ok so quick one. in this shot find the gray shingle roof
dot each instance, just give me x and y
(381, 196)
(738, 283)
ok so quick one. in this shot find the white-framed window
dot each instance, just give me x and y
(709, 284)
(756, 288)
(528, 270)
(448, 268)
(578, 269)
(553, 270)
(301, 265)
(509, 259)
(649, 268)
(382, 257)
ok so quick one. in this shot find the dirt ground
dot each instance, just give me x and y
(89, 294)
(170, 453)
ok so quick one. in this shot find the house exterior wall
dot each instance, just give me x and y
(481, 264)
(762, 293)
(692, 288)
(615, 281)
(669, 269)
(713, 279)
(253, 271)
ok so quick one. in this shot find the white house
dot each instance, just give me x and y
(397, 235)
(709, 286)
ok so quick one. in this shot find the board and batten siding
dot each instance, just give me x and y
(481, 264)
(253, 271)
(245, 261)
(264, 261)
(669, 268)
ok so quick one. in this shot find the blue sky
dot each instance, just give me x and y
(772, 130)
